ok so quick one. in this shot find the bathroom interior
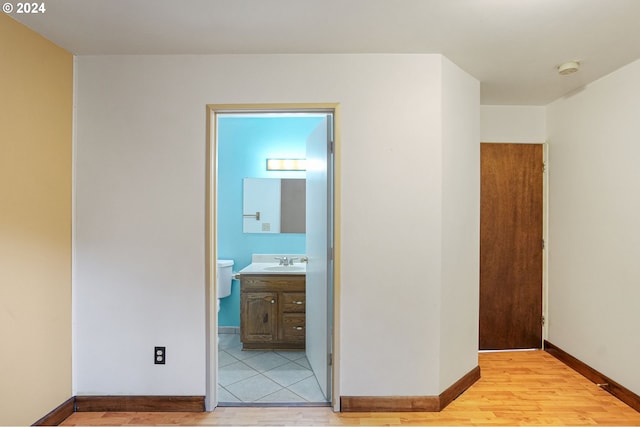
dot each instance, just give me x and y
(262, 248)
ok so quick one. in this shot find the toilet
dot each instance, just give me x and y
(224, 276)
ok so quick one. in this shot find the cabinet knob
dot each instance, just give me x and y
(298, 302)
(273, 301)
(298, 328)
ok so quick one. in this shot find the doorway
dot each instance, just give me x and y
(511, 246)
(271, 366)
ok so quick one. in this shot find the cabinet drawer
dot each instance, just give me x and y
(293, 302)
(261, 283)
(293, 327)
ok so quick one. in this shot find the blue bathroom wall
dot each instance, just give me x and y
(244, 144)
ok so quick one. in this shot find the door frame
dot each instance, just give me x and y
(545, 234)
(211, 250)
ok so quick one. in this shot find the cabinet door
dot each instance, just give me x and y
(258, 319)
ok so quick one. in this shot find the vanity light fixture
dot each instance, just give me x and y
(286, 164)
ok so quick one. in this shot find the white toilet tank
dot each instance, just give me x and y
(224, 274)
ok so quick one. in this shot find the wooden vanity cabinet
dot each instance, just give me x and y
(272, 311)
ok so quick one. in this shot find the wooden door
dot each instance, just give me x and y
(511, 246)
(258, 317)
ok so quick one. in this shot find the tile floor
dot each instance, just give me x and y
(264, 376)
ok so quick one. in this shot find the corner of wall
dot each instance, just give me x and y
(35, 187)
(460, 224)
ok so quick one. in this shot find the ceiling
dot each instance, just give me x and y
(512, 46)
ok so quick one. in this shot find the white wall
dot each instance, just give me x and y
(594, 244)
(513, 123)
(391, 193)
(139, 278)
(460, 224)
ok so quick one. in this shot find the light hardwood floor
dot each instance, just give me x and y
(516, 388)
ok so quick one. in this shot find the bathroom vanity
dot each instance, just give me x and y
(272, 309)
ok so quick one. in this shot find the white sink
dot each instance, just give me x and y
(285, 268)
(274, 268)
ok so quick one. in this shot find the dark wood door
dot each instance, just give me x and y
(511, 246)
(258, 317)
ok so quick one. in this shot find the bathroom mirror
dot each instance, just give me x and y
(274, 205)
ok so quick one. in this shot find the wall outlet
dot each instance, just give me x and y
(159, 355)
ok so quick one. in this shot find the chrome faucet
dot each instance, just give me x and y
(285, 261)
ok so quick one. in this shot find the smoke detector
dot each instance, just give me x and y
(568, 68)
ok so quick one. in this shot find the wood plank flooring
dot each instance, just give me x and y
(516, 388)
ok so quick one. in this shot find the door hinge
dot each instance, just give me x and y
(331, 146)
(330, 359)
(543, 244)
(543, 320)
(544, 167)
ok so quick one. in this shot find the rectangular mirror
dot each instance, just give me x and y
(274, 205)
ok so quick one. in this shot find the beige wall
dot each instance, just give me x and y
(139, 240)
(36, 84)
(513, 123)
(459, 293)
(594, 233)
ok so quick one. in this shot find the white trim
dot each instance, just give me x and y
(545, 236)
(247, 110)
(508, 350)
(74, 162)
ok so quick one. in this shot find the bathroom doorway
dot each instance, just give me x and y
(240, 140)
